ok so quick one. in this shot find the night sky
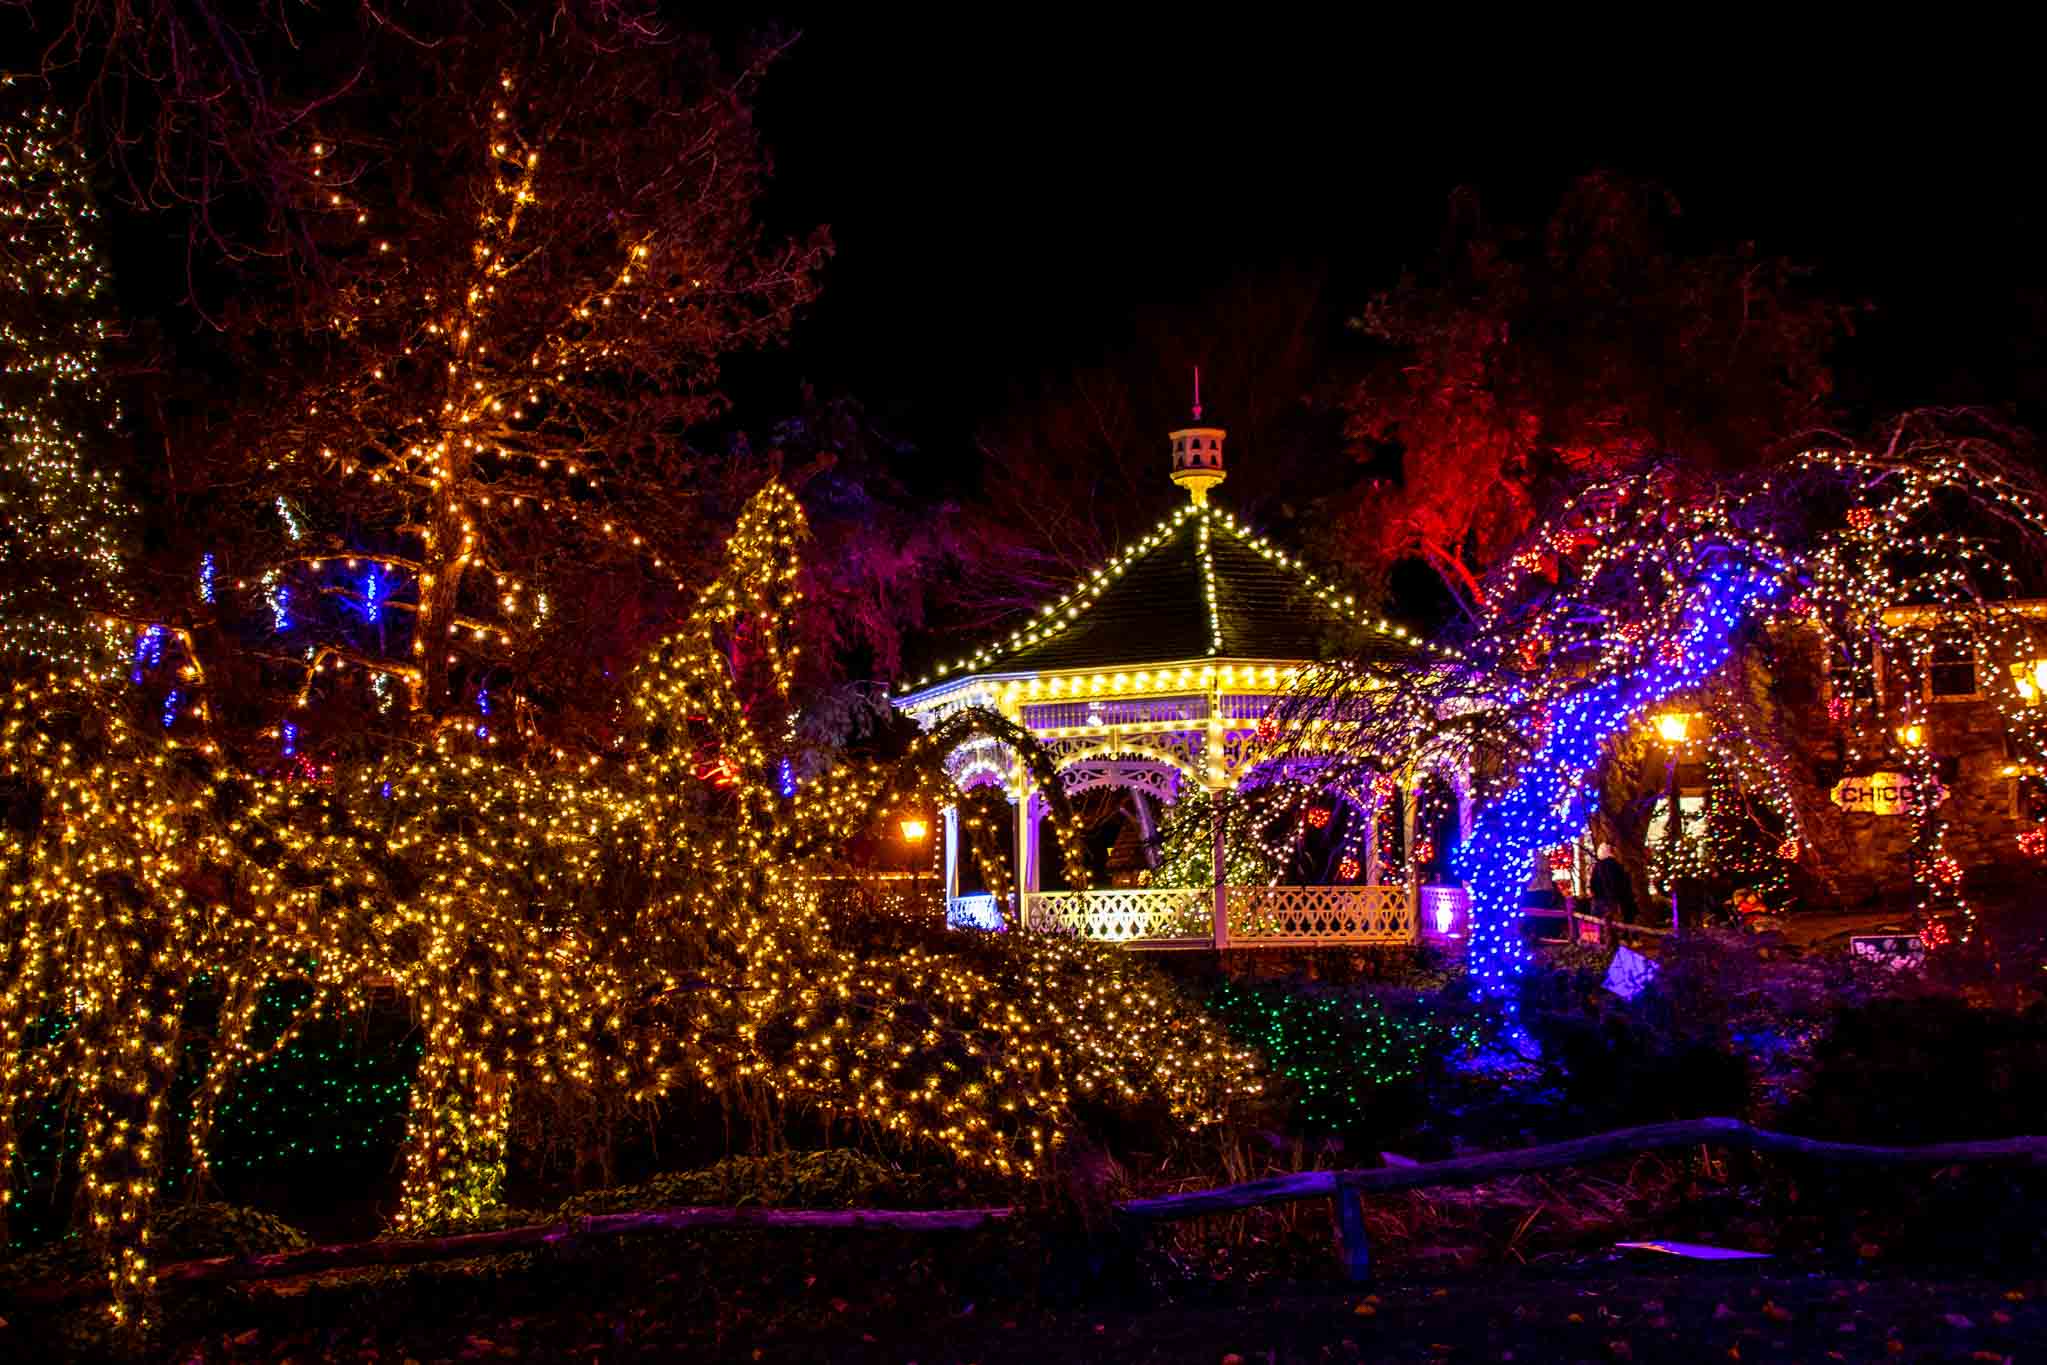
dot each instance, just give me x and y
(1004, 194)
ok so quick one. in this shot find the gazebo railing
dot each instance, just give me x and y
(981, 911)
(1120, 914)
(1258, 916)
(1290, 916)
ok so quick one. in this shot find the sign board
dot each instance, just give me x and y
(1878, 793)
(1899, 952)
(1629, 974)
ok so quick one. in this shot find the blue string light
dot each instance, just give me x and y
(372, 596)
(291, 739)
(1554, 792)
(206, 577)
(170, 708)
(148, 652)
(785, 776)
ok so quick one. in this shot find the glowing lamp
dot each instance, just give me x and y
(1674, 726)
(914, 828)
(1912, 736)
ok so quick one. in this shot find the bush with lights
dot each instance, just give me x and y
(635, 923)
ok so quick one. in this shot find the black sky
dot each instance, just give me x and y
(1004, 192)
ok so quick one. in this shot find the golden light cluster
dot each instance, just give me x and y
(66, 520)
(608, 922)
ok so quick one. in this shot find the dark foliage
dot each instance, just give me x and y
(1926, 1070)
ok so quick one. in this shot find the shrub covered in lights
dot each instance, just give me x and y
(1345, 1061)
(612, 925)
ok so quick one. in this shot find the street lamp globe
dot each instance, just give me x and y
(1674, 726)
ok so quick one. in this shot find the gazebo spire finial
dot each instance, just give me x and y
(1198, 453)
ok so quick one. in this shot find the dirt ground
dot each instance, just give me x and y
(1607, 1309)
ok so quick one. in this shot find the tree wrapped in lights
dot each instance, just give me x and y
(807, 1021)
(1649, 584)
(472, 447)
(135, 873)
(1662, 587)
(613, 923)
(67, 522)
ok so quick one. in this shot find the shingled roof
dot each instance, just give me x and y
(1201, 585)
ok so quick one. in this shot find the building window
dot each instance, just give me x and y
(1856, 679)
(2029, 797)
(1951, 672)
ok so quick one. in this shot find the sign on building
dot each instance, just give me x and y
(1878, 793)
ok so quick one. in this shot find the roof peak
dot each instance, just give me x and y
(1245, 608)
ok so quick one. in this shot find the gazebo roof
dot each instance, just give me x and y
(1201, 585)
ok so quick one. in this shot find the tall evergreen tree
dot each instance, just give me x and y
(66, 521)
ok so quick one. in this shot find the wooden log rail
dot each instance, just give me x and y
(1343, 1186)
(1346, 1186)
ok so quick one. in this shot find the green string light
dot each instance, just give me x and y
(1335, 1050)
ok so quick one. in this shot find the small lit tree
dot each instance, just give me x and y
(472, 450)
(68, 523)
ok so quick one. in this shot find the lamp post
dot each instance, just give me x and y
(1675, 727)
(915, 829)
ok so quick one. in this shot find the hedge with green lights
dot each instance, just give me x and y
(1334, 1052)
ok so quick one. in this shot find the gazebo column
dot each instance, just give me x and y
(1034, 815)
(1371, 868)
(1215, 776)
(1147, 828)
(1020, 803)
(952, 854)
(1218, 827)
(1409, 792)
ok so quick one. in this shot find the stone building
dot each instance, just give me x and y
(1851, 750)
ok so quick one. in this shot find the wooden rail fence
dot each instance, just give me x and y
(1345, 1187)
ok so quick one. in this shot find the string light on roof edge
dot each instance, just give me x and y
(1069, 610)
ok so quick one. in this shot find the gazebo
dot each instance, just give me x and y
(1156, 673)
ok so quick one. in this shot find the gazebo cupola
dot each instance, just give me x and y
(1198, 454)
(1152, 673)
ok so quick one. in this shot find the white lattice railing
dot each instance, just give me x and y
(1117, 915)
(1297, 915)
(973, 912)
(1260, 916)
